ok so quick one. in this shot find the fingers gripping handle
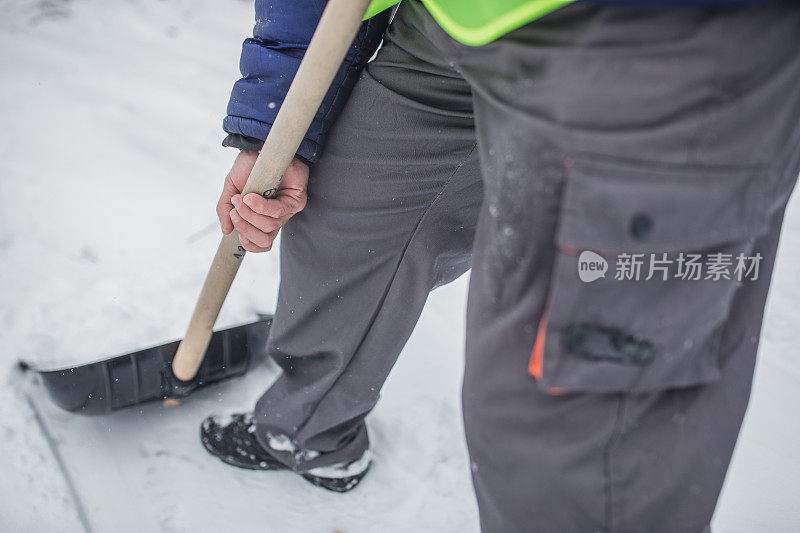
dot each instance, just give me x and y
(335, 33)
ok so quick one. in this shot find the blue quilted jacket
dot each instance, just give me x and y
(270, 59)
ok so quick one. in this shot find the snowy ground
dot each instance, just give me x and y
(111, 165)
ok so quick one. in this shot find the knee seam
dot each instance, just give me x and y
(616, 434)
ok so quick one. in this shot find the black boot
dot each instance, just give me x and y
(232, 439)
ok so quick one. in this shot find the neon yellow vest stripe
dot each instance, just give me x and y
(477, 22)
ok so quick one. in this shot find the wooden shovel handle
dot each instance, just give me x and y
(335, 33)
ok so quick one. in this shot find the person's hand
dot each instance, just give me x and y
(256, 218)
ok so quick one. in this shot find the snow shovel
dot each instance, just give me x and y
(176, 369)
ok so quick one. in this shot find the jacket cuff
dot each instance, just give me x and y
(243, 142)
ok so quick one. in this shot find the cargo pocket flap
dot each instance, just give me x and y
(609, 333)
(610, 206)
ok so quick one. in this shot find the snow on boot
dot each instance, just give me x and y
(232, 439)
(340, 477)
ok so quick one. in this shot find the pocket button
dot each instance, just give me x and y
(641, 226)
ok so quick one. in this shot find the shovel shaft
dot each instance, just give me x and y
(335, 33)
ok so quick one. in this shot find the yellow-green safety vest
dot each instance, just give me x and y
(477, 22)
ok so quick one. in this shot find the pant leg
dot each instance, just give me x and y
(391, 214)
(585, 108)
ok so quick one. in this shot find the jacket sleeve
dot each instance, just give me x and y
(269, 62)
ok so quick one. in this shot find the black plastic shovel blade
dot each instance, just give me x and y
(104, 386)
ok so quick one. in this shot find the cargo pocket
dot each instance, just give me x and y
(607, 329)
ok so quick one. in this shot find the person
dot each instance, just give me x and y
(615, 175)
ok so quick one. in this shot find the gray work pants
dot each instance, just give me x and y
(605, 405)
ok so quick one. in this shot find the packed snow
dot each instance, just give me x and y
(111, 165)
